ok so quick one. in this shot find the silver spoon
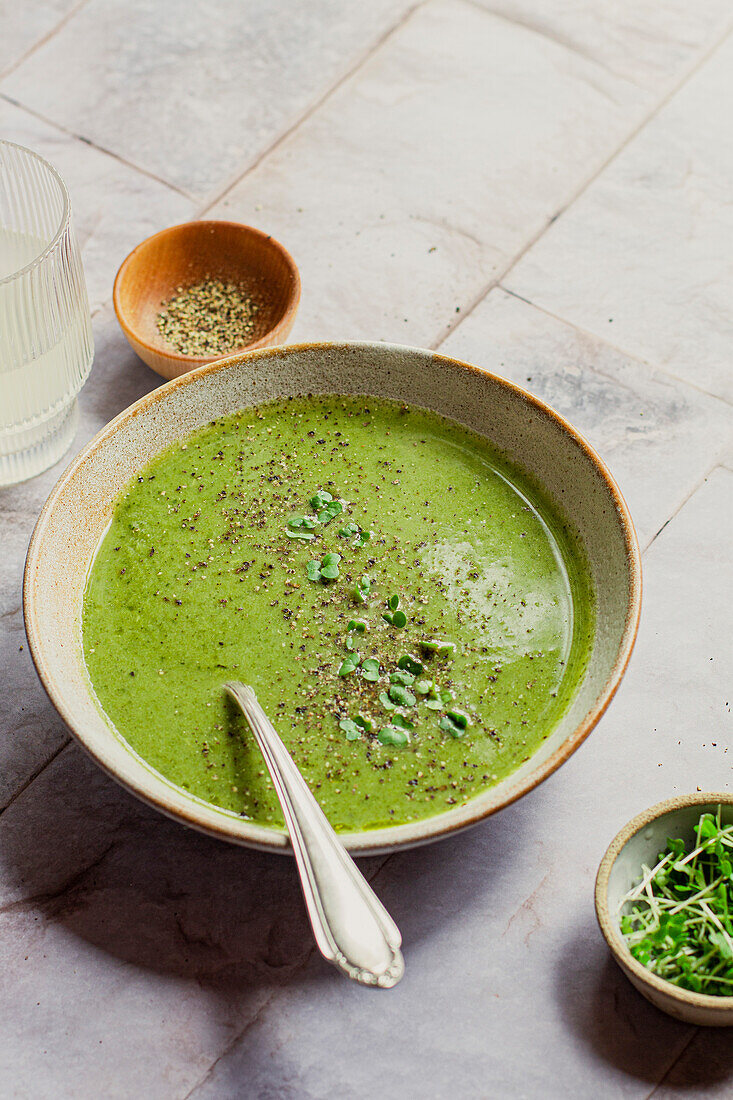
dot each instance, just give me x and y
(352, 928)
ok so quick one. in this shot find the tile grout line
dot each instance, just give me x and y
(308, 113)
(34, 775)
(240, 1034)
(695, 488)
(556, 38)
(93, 145)
(633, 133)
(627, 354)
(43, 39)
(673, 1063)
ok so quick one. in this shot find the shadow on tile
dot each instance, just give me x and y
(155, 894)
(604, 1011)
(707, 1061)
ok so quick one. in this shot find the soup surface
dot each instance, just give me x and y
(411, 611)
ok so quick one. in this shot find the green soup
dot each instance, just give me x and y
(434, 663)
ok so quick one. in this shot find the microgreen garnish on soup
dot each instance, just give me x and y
(327, 569)
(393, 735)
(352, 730)
(319, 499)
(370, 669)
(361, 590)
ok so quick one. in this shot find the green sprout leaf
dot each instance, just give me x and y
(392, 735)
(401, 677)
(297, 522)
(361, 590)
(352, 729)
(319, 499)
(677, 920)
(451, 727)
(400, 695)
(313, 569)
(330, 566)
(370, 669)
(411, 663)
(333, 508)
(460, 718)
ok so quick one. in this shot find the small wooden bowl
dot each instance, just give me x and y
(186, 254)
(640, 842)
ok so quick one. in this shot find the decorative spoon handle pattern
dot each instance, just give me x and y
(352, 928)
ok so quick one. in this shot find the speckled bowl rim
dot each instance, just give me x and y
(376, 841)
(608, 926)
(194, 361)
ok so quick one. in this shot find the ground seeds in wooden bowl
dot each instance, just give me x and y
(209, 318)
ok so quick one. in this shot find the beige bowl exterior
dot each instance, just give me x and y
(640, 842)
(531, 435)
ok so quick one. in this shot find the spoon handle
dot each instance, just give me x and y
(352, 928)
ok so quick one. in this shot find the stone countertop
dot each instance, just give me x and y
(545, 191)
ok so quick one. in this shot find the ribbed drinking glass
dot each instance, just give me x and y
(46, 346)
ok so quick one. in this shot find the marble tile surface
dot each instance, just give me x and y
(509, 988)
(418, 181)
(193, 92)
(648, 43)
(114, 206)
(638, 258)
(26, 25)
(658, 435)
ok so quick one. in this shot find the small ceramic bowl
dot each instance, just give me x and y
(531, 435)
(186, 254)
(640, 842)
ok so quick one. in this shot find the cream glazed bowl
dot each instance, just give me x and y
(530, 434)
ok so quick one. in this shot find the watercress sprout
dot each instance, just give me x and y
(351, 728)
(370, 669)
(361, 590)
(393, 735)
(327, 569)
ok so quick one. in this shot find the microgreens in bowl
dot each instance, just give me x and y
(678, 920)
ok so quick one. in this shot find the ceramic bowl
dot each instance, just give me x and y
(640, 842)
(186, 254)
(533, 437)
